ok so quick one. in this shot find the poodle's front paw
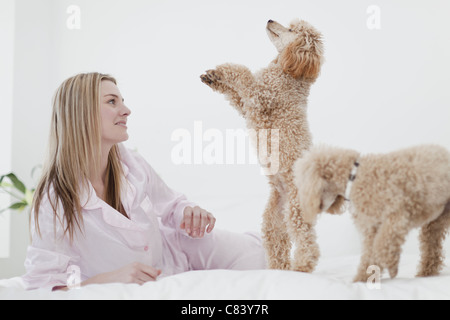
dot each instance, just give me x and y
(279, 265)
(393, 271)
(430, 267)
(211, 77)
(423, 272)
(361, 277)
(391, 266)
(391, 263)
(306, 268)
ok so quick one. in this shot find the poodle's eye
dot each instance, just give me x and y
(290, 30)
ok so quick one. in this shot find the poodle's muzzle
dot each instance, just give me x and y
(280, 36)
(275, 29)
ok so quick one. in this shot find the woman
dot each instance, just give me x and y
(102, 211)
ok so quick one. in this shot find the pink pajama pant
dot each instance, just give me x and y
(219, 250)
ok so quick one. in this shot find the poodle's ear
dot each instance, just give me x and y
(310, 186)
(338, 206)
(302, 59)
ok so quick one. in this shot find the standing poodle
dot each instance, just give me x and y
(389, 194)
(275, 100)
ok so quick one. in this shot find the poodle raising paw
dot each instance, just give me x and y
(274, 102)
(389, 195)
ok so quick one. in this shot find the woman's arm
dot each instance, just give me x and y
(49, 255)
(173, 207)
(134, 273)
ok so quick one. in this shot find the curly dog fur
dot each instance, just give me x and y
(391, 194)
(275, 99)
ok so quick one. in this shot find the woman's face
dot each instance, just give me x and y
(114, 114)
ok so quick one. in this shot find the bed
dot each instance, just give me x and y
(331, 280)
(340, 247)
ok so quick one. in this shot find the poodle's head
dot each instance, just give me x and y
(321, 177)
(300, 47)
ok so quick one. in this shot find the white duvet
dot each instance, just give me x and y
(331, 280)
(339, 243)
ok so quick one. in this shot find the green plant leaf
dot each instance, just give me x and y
(17, 189)
(19, 206)
(16, 182)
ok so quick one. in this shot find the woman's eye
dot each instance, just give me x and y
(112, 101)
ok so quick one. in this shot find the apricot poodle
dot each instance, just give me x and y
(274, 100)
(389, 194)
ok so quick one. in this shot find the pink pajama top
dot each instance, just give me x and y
(109, 240)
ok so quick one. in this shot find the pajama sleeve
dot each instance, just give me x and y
(167, 203)
(49, 256)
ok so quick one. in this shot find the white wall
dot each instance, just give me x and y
(31, 102)
(6, 94)
(379, 89)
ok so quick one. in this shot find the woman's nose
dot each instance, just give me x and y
(126, 111)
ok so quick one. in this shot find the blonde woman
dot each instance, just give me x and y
(101, 214)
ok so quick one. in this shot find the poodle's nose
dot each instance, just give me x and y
(270, 21)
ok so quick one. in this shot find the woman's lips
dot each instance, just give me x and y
(121, 124)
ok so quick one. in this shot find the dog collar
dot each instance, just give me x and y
(351, 179)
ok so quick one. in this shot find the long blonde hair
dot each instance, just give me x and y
(75, 152)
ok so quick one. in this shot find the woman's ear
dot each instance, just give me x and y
(301, 59)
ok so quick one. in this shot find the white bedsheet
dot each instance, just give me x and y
(331, 280)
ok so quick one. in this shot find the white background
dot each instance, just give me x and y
(379, 90)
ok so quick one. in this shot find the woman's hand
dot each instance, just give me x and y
(134, 273)
(195, 221)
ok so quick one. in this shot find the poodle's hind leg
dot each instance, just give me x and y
(432, 237)
(306, 253)
(389, 241)
(276, 239)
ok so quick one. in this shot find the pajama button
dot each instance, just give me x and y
(146, 248)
